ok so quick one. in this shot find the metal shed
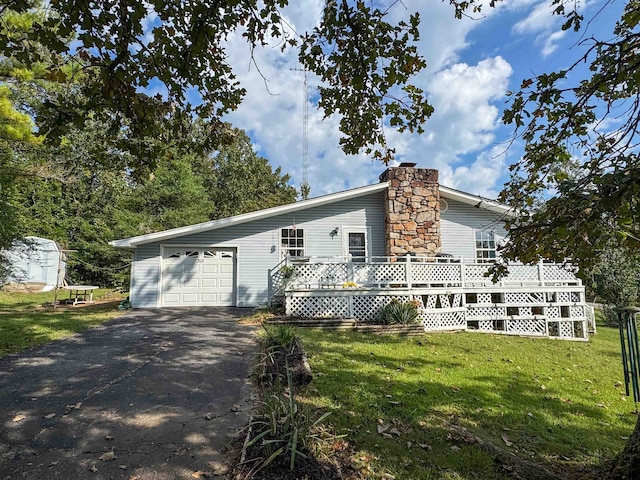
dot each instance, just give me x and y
(37, 260)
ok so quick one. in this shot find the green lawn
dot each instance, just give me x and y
(557, 403)
(25, 322)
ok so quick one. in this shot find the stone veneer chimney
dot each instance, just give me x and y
(412, 210)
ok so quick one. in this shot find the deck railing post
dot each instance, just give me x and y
(269, 288)
(462, 272)
(541, 273)
(408, 273)
(349, 268)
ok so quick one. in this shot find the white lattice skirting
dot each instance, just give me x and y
(558, 314)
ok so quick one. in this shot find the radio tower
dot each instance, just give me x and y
(305, 188)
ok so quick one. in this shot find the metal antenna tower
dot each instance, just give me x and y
(305, 188)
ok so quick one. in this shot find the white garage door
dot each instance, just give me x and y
(198, 277)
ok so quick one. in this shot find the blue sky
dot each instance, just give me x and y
(472, 64)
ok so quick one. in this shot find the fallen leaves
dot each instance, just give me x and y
(107, 456)
(49, 415)
(200, 474)
(506, 440)
(19, 418)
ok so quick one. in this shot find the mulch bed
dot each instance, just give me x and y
(274, 375)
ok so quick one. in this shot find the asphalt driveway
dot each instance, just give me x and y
(150, 395)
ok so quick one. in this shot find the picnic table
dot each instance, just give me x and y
(80, 293)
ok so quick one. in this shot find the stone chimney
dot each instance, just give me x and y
(412, 210)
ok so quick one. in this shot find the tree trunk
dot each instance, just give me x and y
(627, 465)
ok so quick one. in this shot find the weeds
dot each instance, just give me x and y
(278, 336)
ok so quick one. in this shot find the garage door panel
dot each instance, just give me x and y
(191, 282)
(173, 270)
(225, 268)
(210, 298)
(225, 298)
(171, 298)
(205, 277)
(209, 268)
(190, 298)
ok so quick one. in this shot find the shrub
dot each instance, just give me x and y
(395, 312)
(278, 336)
(288, 272)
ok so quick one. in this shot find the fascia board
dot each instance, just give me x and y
(476, 200)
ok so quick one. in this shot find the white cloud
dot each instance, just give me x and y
(464, 121)
(551, 42)
(481, 176)
(540, 19)
(542, 23)
(463, 95)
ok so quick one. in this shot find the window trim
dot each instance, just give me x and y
(284, 250)
(491, 238)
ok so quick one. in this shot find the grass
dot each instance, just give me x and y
(26, 323)
(559, 404)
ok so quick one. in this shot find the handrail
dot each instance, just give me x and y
(418, 271)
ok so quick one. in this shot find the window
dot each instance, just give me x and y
(357, 246)
(292, 242)
(485, 246)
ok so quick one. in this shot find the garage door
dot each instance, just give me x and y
(198, 277)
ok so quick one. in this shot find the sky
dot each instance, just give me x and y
(471, 65)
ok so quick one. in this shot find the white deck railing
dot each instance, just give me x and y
(409, 272)
(539, 300)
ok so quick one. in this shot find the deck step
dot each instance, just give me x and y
(350, 324)
(328, 323)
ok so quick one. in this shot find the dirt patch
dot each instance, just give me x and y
(23, 287)
(98, 305)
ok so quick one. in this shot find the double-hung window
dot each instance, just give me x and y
(485, 246)
(292, 242)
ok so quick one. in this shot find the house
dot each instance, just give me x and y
(225, 262)
(36, 260)
(382, 235)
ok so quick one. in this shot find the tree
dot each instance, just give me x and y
(239, 181)
(576, 187)
(172, 197)
(123, 45)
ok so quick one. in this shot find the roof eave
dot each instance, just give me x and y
(478, 201)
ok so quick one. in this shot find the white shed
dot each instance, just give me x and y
(37, 260)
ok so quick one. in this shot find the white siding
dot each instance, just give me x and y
(258, 246)
(459, 223)
(145, 275)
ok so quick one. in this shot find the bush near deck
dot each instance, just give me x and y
(559, 404)
(26, 323)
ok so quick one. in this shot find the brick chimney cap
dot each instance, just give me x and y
(407, 164)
